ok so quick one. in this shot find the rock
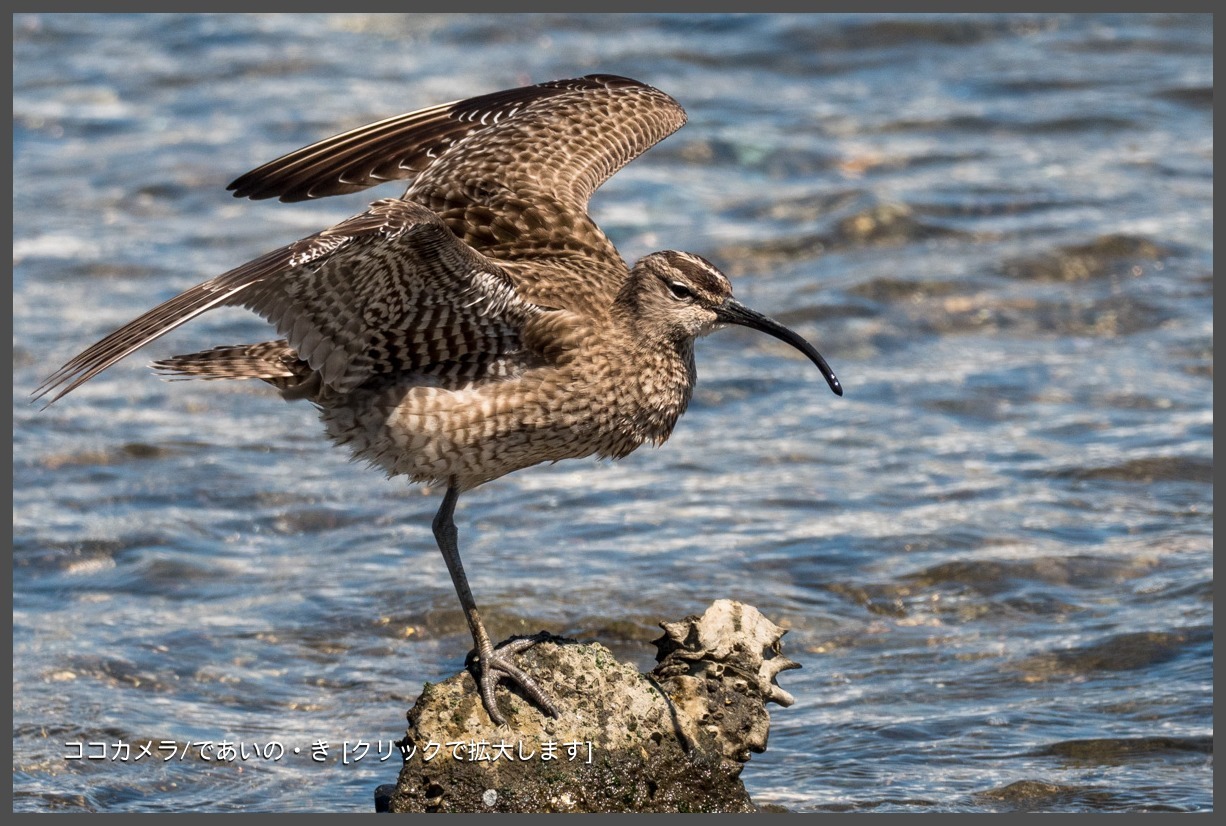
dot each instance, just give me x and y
(674, 740)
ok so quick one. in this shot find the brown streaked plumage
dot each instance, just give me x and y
(480, 324)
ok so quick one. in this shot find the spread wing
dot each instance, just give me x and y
(564, 136)
(493, 226)
(511, 172)
(389, 290)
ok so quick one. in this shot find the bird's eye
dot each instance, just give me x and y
(681, 291)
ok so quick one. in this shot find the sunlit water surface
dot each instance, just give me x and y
(994, 553)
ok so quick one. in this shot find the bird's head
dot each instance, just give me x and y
(680, 296)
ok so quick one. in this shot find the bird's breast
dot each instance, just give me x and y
(435, 429)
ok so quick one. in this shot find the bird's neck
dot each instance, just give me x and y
(654, 382)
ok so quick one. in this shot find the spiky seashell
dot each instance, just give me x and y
(728, 632)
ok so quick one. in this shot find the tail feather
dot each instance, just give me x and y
(272, 361)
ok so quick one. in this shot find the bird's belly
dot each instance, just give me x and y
(474, 432)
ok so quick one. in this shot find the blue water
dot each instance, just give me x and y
(994, 553)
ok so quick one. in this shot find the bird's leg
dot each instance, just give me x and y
(491, 665)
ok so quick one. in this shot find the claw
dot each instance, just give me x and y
(492, 665)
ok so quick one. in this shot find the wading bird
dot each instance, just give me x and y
(480, 324)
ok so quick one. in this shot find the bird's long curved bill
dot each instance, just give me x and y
(734, 312)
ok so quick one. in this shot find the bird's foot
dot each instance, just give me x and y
(494, 664)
